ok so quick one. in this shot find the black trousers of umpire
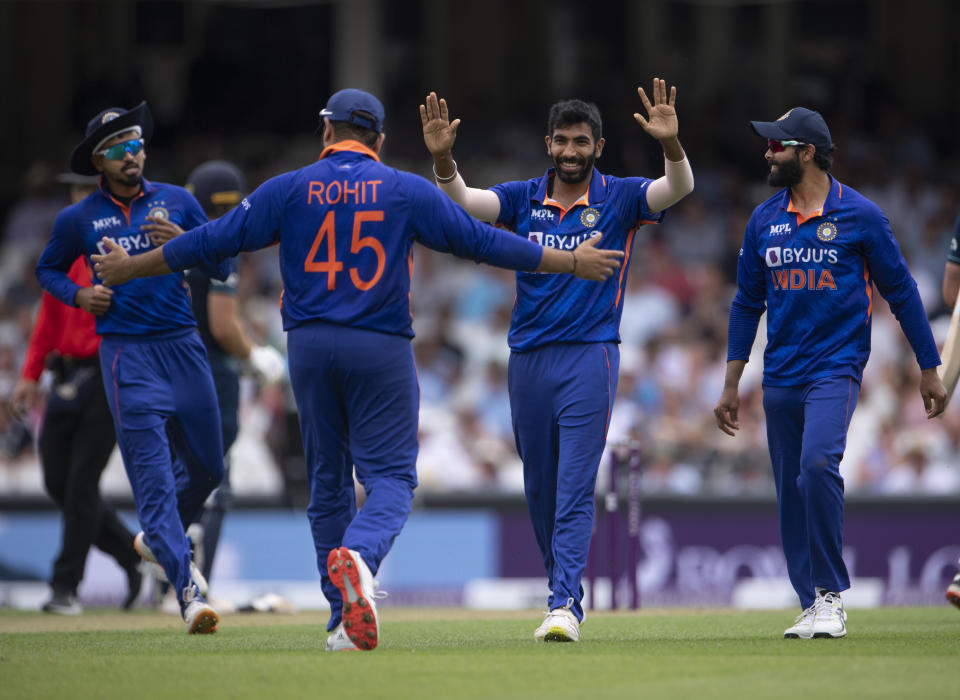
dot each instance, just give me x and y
(75, 443)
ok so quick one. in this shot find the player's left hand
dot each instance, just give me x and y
(661, 121)
(160, 230)
(112, 267)
(933, 392)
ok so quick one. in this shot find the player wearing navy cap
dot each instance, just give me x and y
(154, 366)
(811, 256)
(346, 225)
(564, 333)
(218, 187)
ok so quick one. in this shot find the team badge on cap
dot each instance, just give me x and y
(589, 217)
(109, 117)
(826, 231)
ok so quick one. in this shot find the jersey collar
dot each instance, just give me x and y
(831, 203)
(596, 192)
(348, 145)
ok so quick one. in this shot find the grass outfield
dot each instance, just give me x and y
(437, 654)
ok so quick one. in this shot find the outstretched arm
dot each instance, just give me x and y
(439, 135)
(117, 266)
(662, 124)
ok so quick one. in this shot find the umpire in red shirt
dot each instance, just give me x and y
(75, 442)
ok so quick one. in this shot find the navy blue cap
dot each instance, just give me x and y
(216, 183)
(344, 105)
(799, 124)
(106, 125)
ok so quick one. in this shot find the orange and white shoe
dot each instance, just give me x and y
(352, 576)
(197, 613)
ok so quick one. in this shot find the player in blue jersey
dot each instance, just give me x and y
(219, 186)
(346, 225)
(155, 369)
(951, 351)
(811, 256)
(564, 333)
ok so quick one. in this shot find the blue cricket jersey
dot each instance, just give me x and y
(815, 278)
(563, 308)
(140, 306)
(346, 226)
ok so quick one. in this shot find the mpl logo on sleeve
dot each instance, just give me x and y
(773, 257)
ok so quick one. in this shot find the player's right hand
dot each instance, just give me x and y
(439, 132)
(595, 263)
(95, 300)
(727, 410)
(111, 268)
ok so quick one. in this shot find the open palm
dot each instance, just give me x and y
(661, 121)
(439, 133)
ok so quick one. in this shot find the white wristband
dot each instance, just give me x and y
(445, 180)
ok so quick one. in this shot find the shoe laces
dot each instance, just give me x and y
(808, 612)
(828, 605)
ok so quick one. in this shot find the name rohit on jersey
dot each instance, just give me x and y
(797, 278)
(345, 192)
(554, 240)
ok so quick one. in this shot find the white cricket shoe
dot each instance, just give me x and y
(197, 613)
(829, 620)
(559, 625)
(953, 591)
(339, 641)
(350, 573)
(802, 627)
(140, 544)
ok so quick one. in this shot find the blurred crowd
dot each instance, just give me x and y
(682, 277)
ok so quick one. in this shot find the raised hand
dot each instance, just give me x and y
(439, 132)
(661, 121)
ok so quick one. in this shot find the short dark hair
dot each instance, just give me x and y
(570, 112)
(824, 161)
(343, 131)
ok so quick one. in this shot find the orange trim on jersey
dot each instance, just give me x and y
(584, 200)
(846, 415)
(606, 425)
(800, 217)
(410, 288)
(623, 265)
(866, 278)
(348, 145)
(116, 387)
(839, 190)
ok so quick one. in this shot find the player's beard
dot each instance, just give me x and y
(787, 174)
(577, 177)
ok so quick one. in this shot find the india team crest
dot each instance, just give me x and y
(159, 213)
(109, 117)
(826, 231)
(589, 217)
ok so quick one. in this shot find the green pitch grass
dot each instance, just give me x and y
(441, 653)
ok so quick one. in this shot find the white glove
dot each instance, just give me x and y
(268, 364)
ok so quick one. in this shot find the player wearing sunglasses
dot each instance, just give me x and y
(154, 365)
(811, 256)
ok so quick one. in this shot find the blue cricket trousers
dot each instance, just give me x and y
(560, 400)
(807, 433)
(358, 400)
(161, 395)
